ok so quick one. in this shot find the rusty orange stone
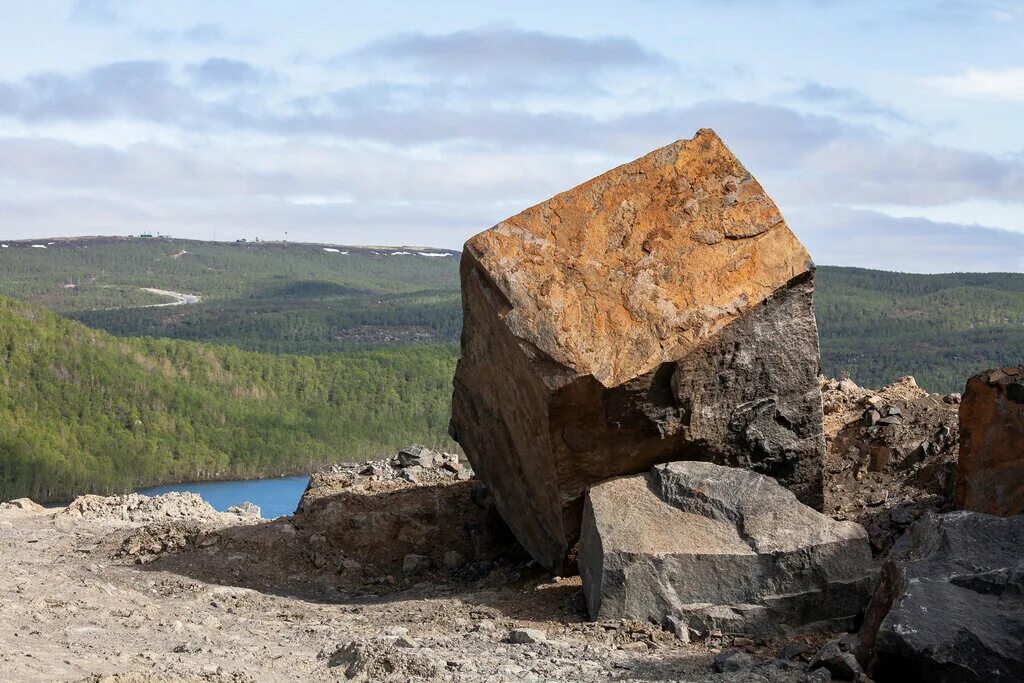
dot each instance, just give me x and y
(990, 469)
(660, 311)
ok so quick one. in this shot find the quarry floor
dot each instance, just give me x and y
(71, 609)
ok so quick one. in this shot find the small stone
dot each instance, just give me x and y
(412, 474)
(791, 651)
(349, 566)
(848, 386)
(319, 561)
(417, 456)
(797, 552)
(871, 418)
(453, 559)
(821, 675)
(902, 515)
(484, 626)
(526, 636)
(396, 631)
(406, 641)
(245, 509)
(842, 665)
(678, 627)
(733, 660)
(414, 564)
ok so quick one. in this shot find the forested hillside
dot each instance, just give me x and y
(81, 410)
(310, 299)
(260, 296)
(876, 326)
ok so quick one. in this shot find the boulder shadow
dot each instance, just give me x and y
(369, 547)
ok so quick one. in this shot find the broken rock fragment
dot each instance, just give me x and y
(661, 311)
(719, 548)
(990, 469)
(950, 603)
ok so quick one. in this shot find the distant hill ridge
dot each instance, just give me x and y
(286, 297)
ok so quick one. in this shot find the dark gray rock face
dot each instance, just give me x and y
(749, 398)
(950, 603)
(719, 548)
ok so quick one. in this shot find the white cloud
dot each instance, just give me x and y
(846, 237)
(1000, 84)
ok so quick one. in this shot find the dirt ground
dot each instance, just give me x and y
(166, 589)
(83, 599)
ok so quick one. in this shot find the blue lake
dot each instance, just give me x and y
(275, 497)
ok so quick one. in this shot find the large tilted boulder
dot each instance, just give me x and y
(661, 311)
(990, 470)
(702, 547)
(950, 603)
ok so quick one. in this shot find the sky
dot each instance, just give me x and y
(891, 134)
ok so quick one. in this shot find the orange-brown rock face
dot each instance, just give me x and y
(661, 311)
(990, 471)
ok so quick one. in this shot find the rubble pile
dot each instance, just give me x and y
(137, 509)
(413, 515)
(891, 455)
(25, 505)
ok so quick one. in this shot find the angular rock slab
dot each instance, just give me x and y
(661, 311)
(705, 547)
(950, 603)
(990, 469)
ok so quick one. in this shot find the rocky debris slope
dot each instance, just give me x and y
(703, 548)
(139, 509)
(950, 603)
(891, 455)
(632, 320)
(415, 514)
(990, 471)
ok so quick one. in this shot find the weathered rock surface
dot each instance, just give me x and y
(719, 548)
(661, 311)
(950, 602)
(990, 472)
